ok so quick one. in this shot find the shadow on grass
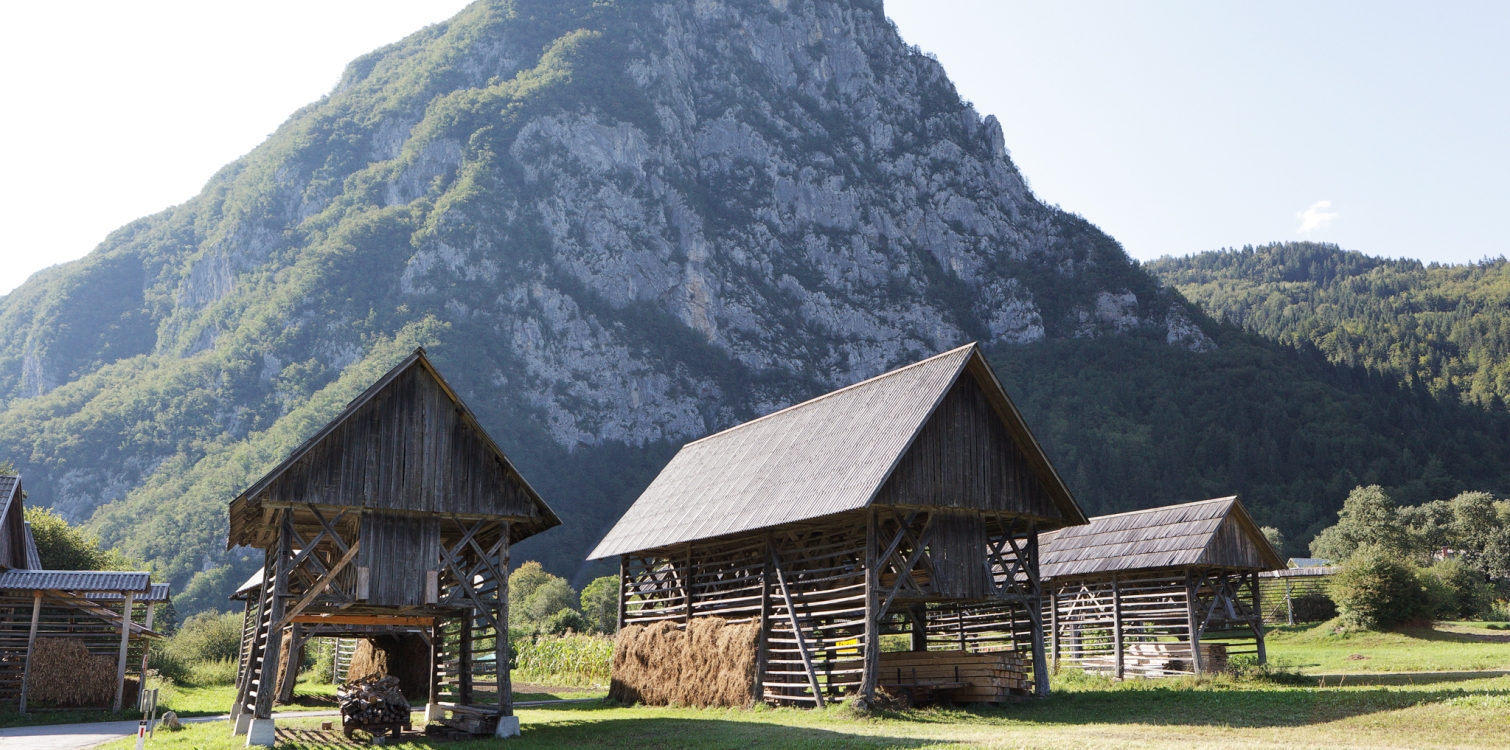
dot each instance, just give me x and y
(1404, 678)
(698, 733)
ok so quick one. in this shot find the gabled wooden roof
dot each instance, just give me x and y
(829, 455)
(1208, 533)
(407, 444)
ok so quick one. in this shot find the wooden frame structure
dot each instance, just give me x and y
(1149, 593)
(910, 503)
(397, 517)
(1279, 590)
(110, 612)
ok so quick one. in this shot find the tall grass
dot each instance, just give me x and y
(563, 660)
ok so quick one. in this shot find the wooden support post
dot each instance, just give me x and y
(31, 644)
(464, 658)
(501, 643)
(1117, 627)
(623, 590)
(1054, 628)
(1289, 605)
(872, 665)
(763, 645)
(268, 669)
(687, 582)
(120, 660)
(1258, 619)
(1191, 589)
(1035, 613)
(807, 659)
(289, 674)
(918, 613)
(436, 651)
(141, 684)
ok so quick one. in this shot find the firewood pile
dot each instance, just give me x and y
(372, 700)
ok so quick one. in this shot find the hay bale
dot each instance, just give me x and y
(406, 657)
(65, 675)
(710, 663)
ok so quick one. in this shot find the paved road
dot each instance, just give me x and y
(77, 736)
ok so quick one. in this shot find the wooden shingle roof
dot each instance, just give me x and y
(818, 458)
(1214, 533)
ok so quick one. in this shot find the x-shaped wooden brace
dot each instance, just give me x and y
(307, 561)
(452, 559)
(904, 572)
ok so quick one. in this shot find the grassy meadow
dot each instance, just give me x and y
(1447, 687)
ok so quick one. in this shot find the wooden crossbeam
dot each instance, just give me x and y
(786, 597)
(318, 587)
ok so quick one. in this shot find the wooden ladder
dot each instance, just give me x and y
(252, 674)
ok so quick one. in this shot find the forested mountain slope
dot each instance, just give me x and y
(1445, 328)
(618, 226)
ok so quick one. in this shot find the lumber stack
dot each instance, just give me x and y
(372, 700)
(1159, 659)
(990, 676)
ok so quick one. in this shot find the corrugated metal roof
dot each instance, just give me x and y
(1171, 536)
(159, 593)
(821, 457)
(33, 559)
(252, 584)
(76, 580)
(1308, 562)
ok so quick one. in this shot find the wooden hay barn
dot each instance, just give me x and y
(394, 519)
(1157, 592)
(103, 618)
(907, 504)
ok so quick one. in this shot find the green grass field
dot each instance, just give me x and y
(1322, 695)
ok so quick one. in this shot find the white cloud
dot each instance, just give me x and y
(1315, 217)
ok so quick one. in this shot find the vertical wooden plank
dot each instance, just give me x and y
(762, 649)
(1117, 627)
(1191, 622)
(791, 610)
(1258, 619)
(687, 582)
(31, 643)
(464, 658)
(1054, 628)
(436, 652)
(289, 674)
(1289, 605)
(501, 643)
(1035, 612)
(871, 670)
(120, 659)
(269, 666)
(623, 590)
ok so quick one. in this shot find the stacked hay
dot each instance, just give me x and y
(710, 663)
(406, 657)
(65, 674)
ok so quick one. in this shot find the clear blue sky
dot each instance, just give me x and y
(1176, 127)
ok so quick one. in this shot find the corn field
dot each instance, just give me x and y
(563, 660)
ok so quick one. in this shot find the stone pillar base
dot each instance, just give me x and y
(433, 712)
(508, 726)
(239, 726)
(262, 732)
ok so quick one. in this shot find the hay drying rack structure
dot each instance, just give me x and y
(395, 518)
(910, 503)
(109, 612)
(1164, 591)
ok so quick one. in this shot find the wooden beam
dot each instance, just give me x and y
(141, 685)
(329, 619)
(1035, 613)
(1258, 619)
(31, 644)
(319, 587)
(623, 590)
(289, 674)
(1117, 627)
(1054, 628)
(763, 643)
(873, 613)
(1190, 619)
(120, 661)
(501, 641)
(807, 659)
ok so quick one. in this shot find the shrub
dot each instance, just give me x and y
(1465, 595)
(207, 637)
(563, 621)
(600, 604)
(1376, 590)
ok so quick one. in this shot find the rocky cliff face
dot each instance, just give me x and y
(613, 224)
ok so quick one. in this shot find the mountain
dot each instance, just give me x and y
(1444, 328)
(618, 226)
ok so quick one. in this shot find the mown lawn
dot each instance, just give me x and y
(1083, 711)
(1448, 647)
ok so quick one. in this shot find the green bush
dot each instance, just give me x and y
(535, 595)
(1463, 592)
(207, 637)
(564, 621)
(1376, 590)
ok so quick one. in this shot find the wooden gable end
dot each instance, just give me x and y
(13, 531)
(408, 448)
(1232, 546)
(965, 458)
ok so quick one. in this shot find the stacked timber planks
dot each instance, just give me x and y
(1159, 660)
(989, 676)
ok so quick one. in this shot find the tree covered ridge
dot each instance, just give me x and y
(1442, 327)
